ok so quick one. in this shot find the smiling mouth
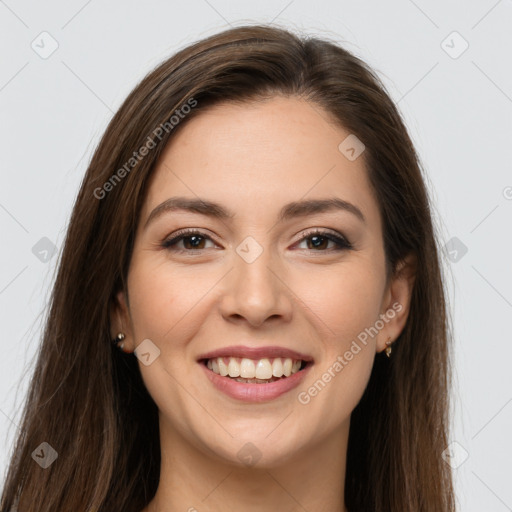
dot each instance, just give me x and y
(251, 371)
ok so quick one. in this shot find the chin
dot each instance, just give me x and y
(257, 450)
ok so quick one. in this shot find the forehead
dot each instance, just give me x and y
(254, 157)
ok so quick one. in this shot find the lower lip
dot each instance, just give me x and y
(249, 392)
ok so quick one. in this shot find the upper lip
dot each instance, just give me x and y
(255, 353)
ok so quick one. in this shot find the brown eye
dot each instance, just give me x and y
(319, 240)
(192, 240)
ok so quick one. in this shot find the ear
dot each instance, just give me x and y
(396, 302)
(120, 320)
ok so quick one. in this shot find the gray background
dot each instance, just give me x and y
(457, 105)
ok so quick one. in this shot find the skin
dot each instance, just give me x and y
(253, 159)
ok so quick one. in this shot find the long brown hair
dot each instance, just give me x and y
(87, 400)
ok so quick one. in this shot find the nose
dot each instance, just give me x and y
(256, 292)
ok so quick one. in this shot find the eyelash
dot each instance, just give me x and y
(341, 242)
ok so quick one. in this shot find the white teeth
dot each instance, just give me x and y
(261, 369)
(287, 367)
(233, 368)
(277, 367)
(247, 369)
(223, 367)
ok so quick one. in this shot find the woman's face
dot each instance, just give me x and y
(256, 279)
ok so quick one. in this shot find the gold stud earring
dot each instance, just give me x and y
(388, 347)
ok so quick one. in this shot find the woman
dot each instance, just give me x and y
(249, 309)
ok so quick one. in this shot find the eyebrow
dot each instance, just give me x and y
(291, 210)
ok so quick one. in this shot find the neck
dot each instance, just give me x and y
(194, 481)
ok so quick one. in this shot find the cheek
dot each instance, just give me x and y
(161, 298)
(345, 301)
